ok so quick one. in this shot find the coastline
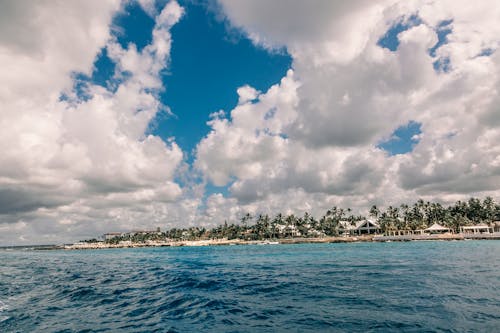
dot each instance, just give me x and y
(338, 239)
(214, 242)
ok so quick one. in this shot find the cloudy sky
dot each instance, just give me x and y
(121, 115)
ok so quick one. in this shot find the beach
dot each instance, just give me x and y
(220, 242)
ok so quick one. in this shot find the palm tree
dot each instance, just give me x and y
(374, 212)
(489, 209)
(290, 221)
(405, 211)
(278, 220)
(245, 219)
(313, 223)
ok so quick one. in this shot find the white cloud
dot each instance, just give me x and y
(37, 55)
(252, 148)
(248, 143)
(87, 163)
(349, 94)
(78, 167)
(320, 30)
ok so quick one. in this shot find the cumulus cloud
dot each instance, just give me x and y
(248, 143)
(252, 150)
(84, 164)
(320, 30)
(350, 94)
(77, 164)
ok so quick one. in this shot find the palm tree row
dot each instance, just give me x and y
(422, 214)
(419, 215)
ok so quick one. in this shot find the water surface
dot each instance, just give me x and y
(360, 287)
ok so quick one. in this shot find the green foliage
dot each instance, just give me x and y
(419, 215)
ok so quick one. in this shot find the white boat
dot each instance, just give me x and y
(269, 243)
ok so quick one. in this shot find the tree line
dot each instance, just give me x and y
(418, 215)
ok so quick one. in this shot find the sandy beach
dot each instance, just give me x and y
(341, 239)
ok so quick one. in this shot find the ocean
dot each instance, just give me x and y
(356, 287)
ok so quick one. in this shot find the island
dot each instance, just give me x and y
(472, 219)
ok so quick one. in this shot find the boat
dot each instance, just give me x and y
(269, 243)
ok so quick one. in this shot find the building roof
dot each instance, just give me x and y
(372, 222)
(346, 225)
(436, 227)
(359, 224)
(478, 226)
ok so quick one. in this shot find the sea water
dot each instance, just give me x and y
(358, 287)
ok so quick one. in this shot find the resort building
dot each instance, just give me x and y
(363, 227)
(403, 232)
(288, 230)
(143, 232)
(437, 229)
(315, 233)
(476, 229)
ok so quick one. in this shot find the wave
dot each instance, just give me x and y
(3, 307)
(318, 287)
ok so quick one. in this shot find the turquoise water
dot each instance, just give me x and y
(360, 287)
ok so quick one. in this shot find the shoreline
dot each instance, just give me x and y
(339, 239)
(403, 238)
(216, 242)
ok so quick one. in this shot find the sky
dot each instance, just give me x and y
(126, 115)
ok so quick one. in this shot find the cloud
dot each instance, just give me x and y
(350, 94)
(252, 149)
(86, 161)
(39, 54)
(321, 30)
(250, 141)
(75, 164)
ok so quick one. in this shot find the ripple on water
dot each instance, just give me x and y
(321, 287)
(3, 307)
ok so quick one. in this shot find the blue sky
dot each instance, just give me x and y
(390, 39)
(208, 63)
(403, 139)
(354, 117)
(210, 60)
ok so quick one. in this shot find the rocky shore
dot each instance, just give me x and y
(214, 242)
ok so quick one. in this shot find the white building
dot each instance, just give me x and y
(288, 230)
(363, 227)
(476, 229)
(437, 229)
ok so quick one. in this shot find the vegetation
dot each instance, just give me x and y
(420, 215)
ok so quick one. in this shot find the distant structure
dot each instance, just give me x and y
(437, 229)
(111, 235)
(363, 227)
(476, 229)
